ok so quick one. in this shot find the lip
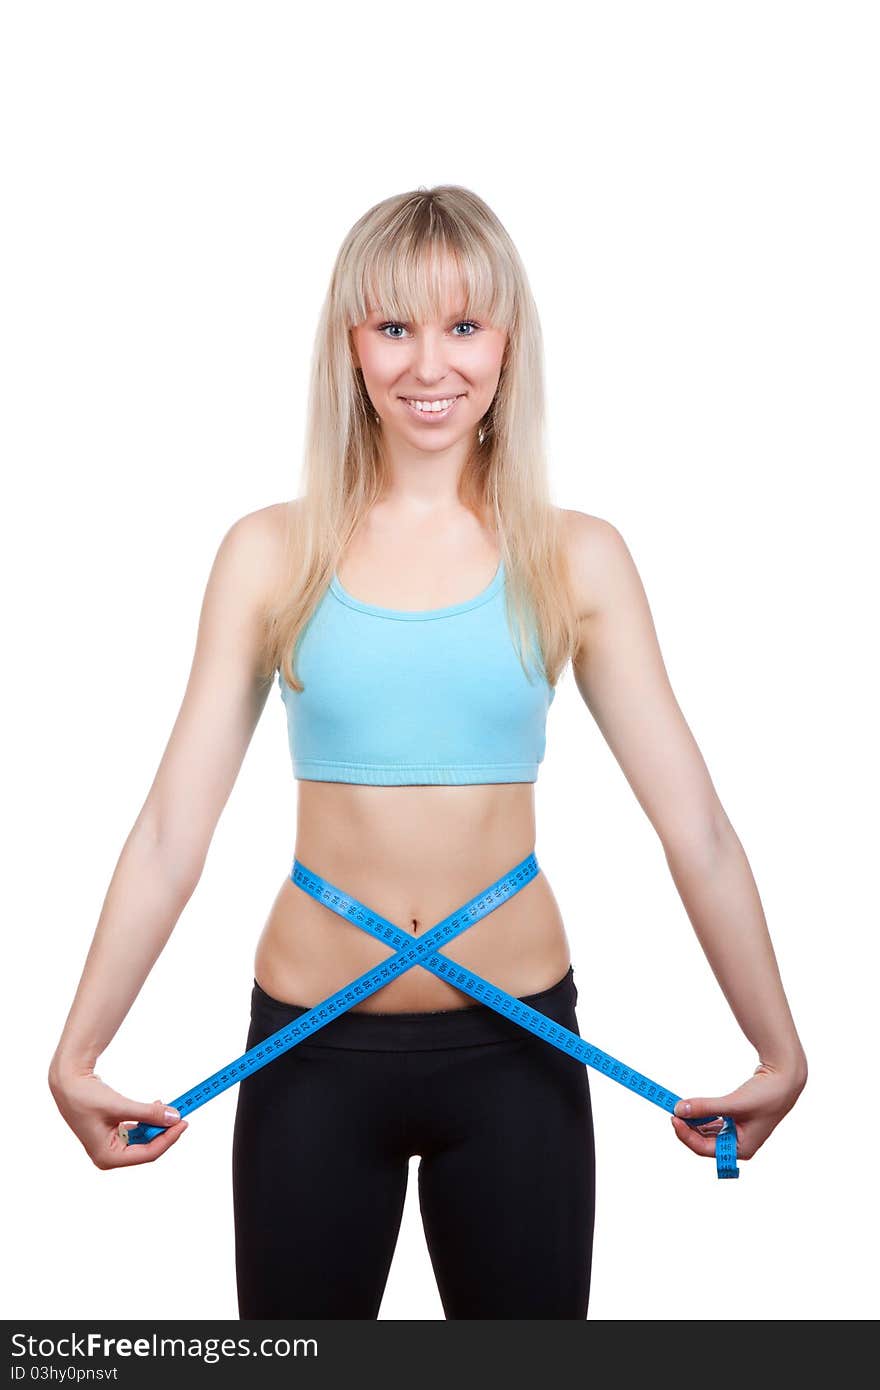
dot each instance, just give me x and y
(432, 416)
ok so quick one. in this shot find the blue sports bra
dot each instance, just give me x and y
(408, 697)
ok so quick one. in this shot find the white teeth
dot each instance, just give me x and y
(434, 406)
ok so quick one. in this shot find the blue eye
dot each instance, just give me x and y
(469, 323)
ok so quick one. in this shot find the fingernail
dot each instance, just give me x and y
(171, 1114)
(683, 1108)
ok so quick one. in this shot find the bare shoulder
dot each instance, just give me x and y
(598, 557)
(266, 525)
(254, 548)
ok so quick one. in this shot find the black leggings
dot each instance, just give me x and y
(323, 1134)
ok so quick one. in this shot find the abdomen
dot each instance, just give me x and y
(413, 854)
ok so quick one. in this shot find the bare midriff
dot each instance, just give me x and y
(413, 854)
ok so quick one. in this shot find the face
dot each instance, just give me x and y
(451, 359)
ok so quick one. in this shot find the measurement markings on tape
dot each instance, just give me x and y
(425, 952)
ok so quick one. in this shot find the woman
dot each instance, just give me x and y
(418, 604)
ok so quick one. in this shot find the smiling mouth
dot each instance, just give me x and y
(430, 412)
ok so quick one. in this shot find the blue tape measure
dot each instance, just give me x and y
(425, 952)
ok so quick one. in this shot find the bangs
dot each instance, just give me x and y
(413, 276)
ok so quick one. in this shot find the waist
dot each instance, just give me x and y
(413, 870)
(416, 838)
(473, 1025)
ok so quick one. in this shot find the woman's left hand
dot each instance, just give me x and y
(756, 1107)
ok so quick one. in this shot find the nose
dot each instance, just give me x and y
(430, 362)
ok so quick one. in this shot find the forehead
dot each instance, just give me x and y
(431, 289)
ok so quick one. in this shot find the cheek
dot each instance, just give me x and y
(487, 359)
(369, 352)
(377, 364)
(485, 369)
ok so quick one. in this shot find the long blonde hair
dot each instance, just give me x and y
(390, 259)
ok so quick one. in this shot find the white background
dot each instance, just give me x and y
(693, 189)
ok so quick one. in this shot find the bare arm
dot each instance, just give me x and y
(621, 677)
(164, 853)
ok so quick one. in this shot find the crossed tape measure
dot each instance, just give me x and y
(425, 952)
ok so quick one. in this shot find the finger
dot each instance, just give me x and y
(697, 1107)
(154, 1112)
(693, 1139)
(149, 1152)
(703, 1142)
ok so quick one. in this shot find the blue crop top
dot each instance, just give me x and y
(425, 696)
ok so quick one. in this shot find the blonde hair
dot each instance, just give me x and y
(391, 259)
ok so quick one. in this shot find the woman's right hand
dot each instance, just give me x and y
(95, 1112)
